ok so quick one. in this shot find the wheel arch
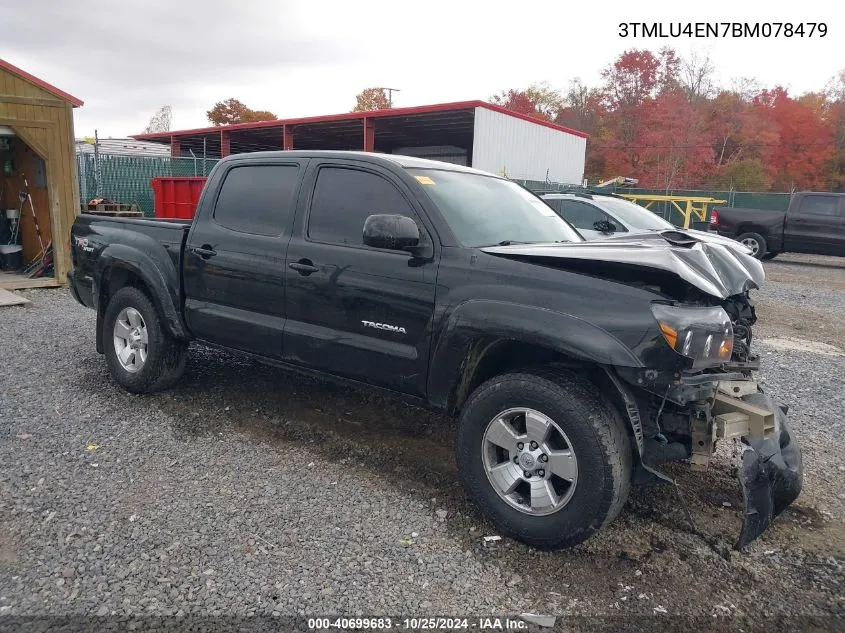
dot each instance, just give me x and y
(482, 339)
(118, 267)
(751, 227)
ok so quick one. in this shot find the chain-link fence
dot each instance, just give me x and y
(126, 179)
(737, 199)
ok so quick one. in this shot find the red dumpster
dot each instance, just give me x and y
(176, 197)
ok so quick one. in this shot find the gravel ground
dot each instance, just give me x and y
(249, 490)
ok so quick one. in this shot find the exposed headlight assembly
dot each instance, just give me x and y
(704, 334)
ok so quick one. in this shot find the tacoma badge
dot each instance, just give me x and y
(384, 326)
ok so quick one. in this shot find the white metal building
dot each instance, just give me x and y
(121, 147)
(472, 133)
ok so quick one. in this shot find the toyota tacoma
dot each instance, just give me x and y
(573, 368)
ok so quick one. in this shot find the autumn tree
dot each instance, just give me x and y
(747, 88)
(160, 121)
(581, 108)
(662, 118)
(547, 101)
(630, 84)
(835, 92)
(232, 111)
(806, 145)
(537, 100)
(517, 101)
(668, 79)
(674, 142)
(371, 99)
(742, 136)
(631, 79)
(695, 76)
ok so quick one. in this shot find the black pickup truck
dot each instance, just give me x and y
(813, 223)
(573, 367)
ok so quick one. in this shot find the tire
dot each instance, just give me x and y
(163, 362)
(754, 241)
(769, 256)
(592, 430)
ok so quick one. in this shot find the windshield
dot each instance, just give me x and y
(634, 216)
(486, 211)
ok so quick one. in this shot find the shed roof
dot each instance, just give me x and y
(359, 116)
(61, 94)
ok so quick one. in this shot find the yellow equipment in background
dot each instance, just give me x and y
(687, 206)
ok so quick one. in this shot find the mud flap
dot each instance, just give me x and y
(770, 474)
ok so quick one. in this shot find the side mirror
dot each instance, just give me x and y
(393, 232)
(604, 226)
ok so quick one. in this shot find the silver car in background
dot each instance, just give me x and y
(598, 216)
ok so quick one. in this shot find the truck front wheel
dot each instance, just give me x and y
(544, 456)
(141, 355)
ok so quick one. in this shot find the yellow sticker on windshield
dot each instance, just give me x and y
(424, 180)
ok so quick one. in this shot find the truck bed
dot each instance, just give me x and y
(149, 244)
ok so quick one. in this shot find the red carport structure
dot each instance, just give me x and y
(472, 133)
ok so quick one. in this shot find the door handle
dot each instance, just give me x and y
(304, 267)
(205, 251)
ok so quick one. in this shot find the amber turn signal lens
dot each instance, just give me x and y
(670, 334)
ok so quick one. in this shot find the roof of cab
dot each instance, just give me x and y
(407, 162)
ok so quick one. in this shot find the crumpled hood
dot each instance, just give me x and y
(714, 264)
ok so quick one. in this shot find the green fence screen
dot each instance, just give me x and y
(736, 199)
(126, 179)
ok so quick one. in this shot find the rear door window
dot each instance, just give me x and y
(581, 215)
(257, 199)
(819, 205)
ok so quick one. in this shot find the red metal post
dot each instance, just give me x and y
(369, 135)
(175, 147)
(225, 144)
(287, 137)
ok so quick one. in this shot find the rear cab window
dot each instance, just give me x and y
(257, 199)
(819, 205)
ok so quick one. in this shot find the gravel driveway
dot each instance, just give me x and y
(247, 490)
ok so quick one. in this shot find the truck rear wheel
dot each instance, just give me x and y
(755, 242)
(141, 355)
(544, 456)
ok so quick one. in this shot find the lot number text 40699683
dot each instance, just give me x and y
(417, 624)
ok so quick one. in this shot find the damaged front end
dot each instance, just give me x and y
(686, 416)
(696, 385)
(770, 474)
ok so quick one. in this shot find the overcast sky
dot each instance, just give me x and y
(126, 58)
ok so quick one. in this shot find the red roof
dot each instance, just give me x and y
(61, 94)
(370, 114)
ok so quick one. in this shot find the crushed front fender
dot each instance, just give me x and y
(770, 474)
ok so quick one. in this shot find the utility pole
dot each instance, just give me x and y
(390, 92)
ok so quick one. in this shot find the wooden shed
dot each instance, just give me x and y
(39, 190)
